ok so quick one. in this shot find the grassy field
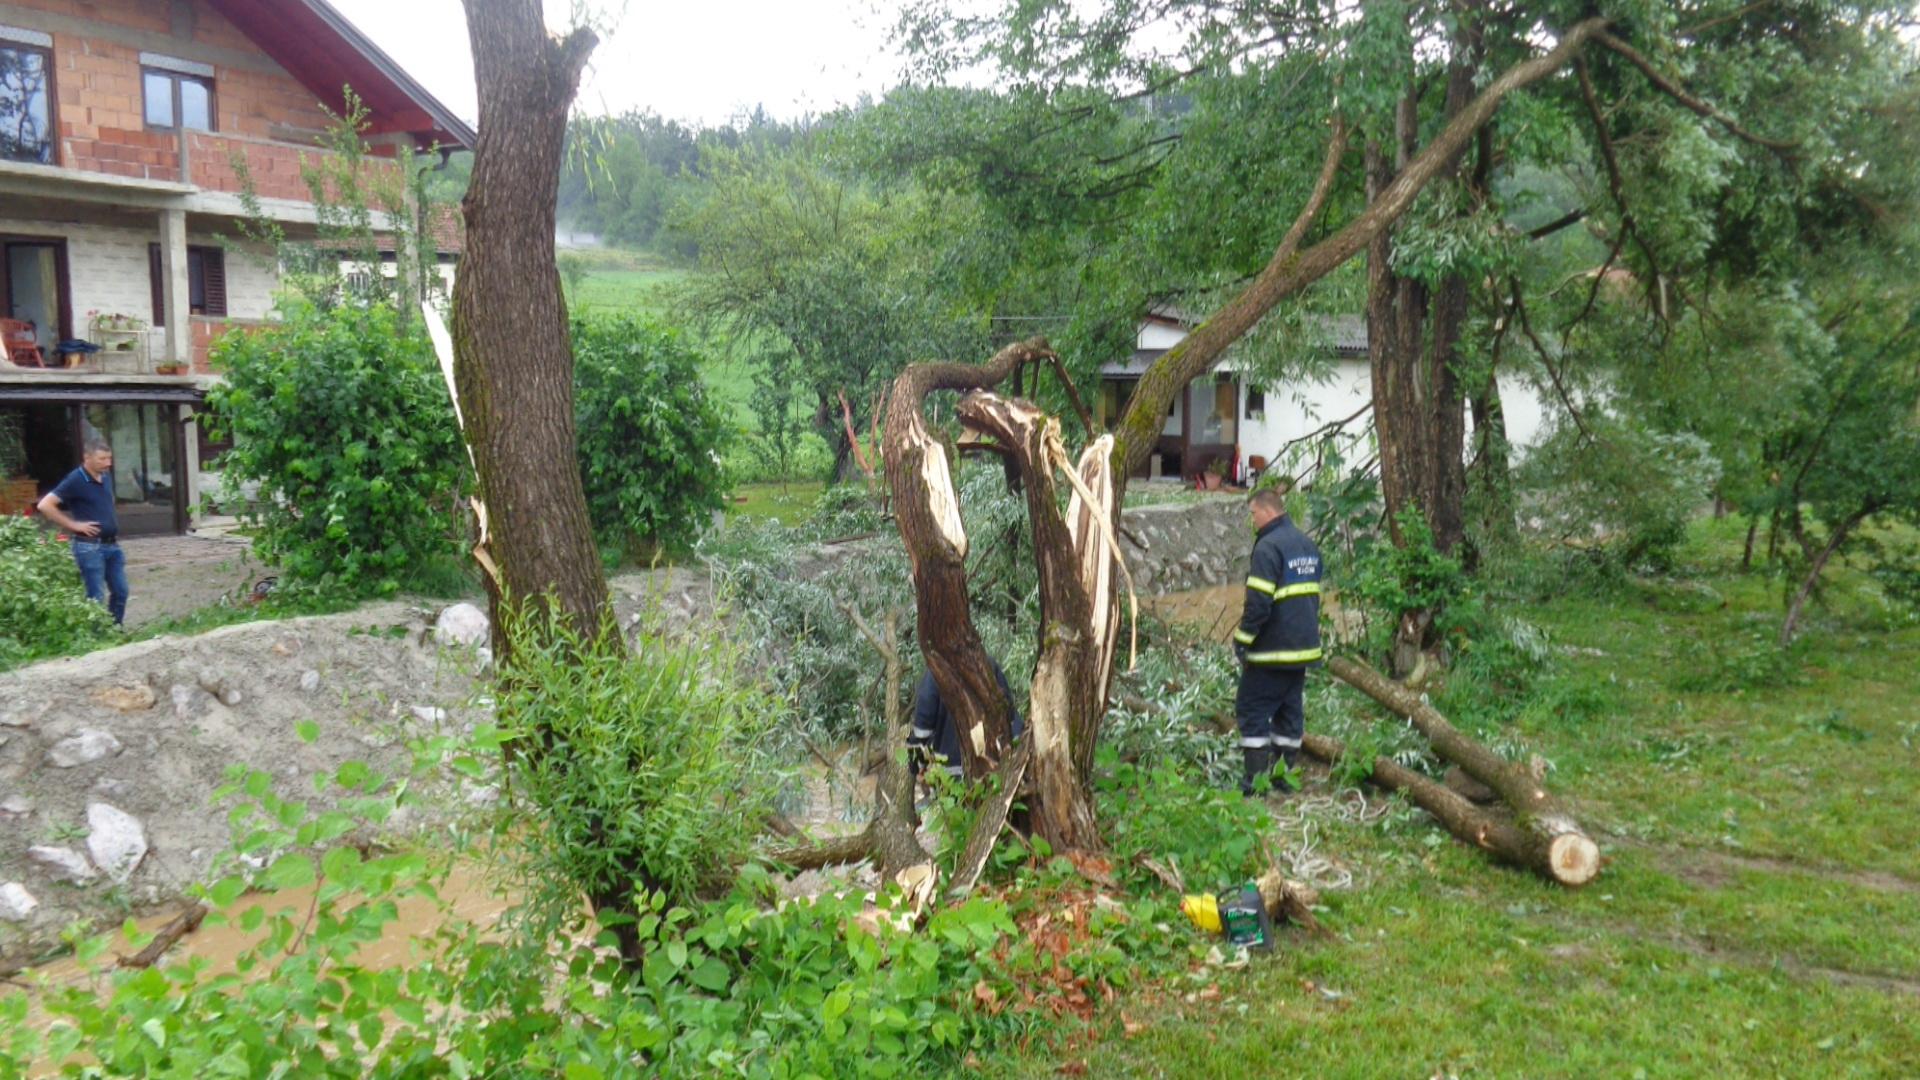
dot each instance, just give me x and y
(1759, 913)
(618, 281)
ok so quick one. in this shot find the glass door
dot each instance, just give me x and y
(33, 289)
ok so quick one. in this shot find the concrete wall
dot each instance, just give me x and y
(108, 272)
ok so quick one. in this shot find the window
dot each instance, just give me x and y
(175, 100)
(1256, 403)
(206, 282)
(26, 102)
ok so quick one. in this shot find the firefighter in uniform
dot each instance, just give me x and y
(1277, 641)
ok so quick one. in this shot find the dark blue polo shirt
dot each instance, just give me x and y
(82, 498)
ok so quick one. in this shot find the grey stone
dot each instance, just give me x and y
(17, 716)
(309, 681)
(16, 806)
(429, 714)
(91, 744)
(462, 624)
(116, 840)
(63, 863)
(16, 903)
(182, 696)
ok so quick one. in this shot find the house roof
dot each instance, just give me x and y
(319, 47)
(1345, 334)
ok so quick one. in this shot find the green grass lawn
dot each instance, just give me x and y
(1759, 913)
(791, 503)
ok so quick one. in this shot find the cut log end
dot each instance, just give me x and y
(1574, 859)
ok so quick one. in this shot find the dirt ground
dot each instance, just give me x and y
(171, 576)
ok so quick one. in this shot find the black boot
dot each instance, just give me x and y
(1255, 762)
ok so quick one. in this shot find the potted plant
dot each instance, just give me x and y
(1214, 475)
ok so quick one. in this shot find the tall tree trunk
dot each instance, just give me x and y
(1815, 567)
(513, 360)
(1413, 337)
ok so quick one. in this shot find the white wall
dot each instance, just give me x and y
(1295, 410)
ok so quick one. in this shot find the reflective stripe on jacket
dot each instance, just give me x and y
(1280, 625)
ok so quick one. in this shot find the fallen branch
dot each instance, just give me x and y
(1572, 858)
(1502, 839)
(992, 819)
(182, 924)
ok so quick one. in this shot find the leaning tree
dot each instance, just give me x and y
(1380, 108)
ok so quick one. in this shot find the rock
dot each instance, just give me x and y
(116, 840)
(429, 714)
(483, 797)
(462, 624)
(483, 656)
(124, 698)
(182, 696)
(64, 864)
(285, 647)
(90, 745)
(16, 716)
(16, 806)
(309, 681)
(16, 903)
(220, 687)
(110, 787)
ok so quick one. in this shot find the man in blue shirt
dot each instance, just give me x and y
(82, 504)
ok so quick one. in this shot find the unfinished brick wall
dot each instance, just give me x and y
(99, 107)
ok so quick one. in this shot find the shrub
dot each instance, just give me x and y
(44, 610)
(343, 421)
(640, 767)
(1628, 491)
(650, 435)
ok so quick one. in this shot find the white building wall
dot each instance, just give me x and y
(1294, 411)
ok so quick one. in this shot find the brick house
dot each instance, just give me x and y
(120, 203)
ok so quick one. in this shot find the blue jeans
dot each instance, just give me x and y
(104, 569)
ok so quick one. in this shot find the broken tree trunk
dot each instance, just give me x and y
(1076, 633)
(1501, 838)
(1574, 857)
(927, 511)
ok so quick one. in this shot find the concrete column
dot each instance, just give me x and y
(189, 465)
(173, 286)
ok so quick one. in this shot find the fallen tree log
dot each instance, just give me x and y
(1575, 857)
(1556, 858)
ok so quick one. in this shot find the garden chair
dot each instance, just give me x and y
(22, 344)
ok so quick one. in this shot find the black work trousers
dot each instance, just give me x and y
(1271, 708)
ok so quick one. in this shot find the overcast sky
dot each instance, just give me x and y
(692, 60)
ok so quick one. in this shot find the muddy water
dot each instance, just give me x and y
(1213, 613)
(470, 896)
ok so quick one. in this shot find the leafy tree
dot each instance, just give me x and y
(837, 282)
(342, 420)
(650, 436)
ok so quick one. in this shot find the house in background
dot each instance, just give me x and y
(121, 123)
(1226, 417)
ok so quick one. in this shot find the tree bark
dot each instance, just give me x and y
(512, 356)
(1815, 568)
(1557, 859)
(927, 511)
(1070, 674)
(1575, 858)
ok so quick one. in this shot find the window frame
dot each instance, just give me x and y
(174, 79)
(53, 99)
(156, 267)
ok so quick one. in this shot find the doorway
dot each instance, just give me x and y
(33, 286)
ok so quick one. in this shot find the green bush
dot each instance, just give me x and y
(44, 610)
(343, 421)
(642, 767)
(651, 437)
